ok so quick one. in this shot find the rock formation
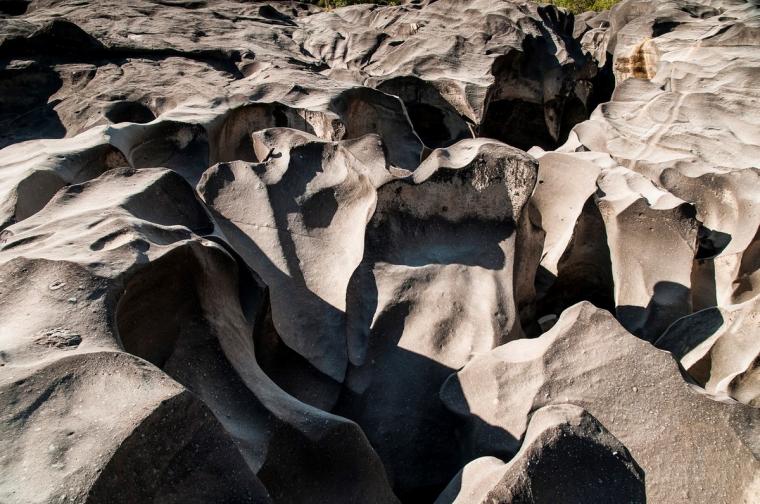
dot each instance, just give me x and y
(632, 388)
(719, 349)
(566, 456)
(443, 251)
(436, 241)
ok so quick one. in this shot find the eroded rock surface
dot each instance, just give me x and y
(566, 456)
(435, 286)
(266, 252)
(719, 348)
(632, 388)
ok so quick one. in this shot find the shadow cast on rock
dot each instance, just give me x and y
(669, 302)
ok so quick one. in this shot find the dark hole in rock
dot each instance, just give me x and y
(14, 7)
(428, 123)
(574, 112)
(556, 480)
(25, 110)
(280, 119)
(663, 27)
(517, 123)
(128, 111)
(519, 114)
(434, 120)
(711, 243)
(523, 125)
(603, 85)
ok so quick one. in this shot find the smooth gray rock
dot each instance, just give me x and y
(256, 238)
(116, 267)
(435, 287)
(635, 390)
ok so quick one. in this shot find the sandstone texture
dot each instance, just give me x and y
(450, 251)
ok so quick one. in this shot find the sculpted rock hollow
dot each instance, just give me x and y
(566, 456)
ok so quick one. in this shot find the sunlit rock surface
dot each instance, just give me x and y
(445, 251)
